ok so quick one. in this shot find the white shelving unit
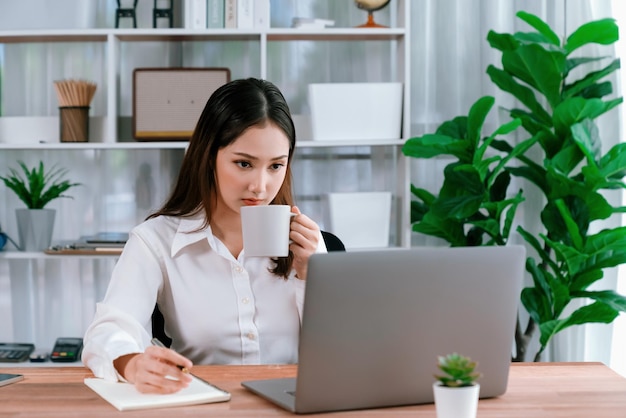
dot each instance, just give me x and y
(28, 271)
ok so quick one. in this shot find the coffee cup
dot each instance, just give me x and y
(266, 230)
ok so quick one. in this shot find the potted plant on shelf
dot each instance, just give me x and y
(36, 188)
(560, 158)
(456, 391)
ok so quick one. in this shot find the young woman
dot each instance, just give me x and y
(219, 306)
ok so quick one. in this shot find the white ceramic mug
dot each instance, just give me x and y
(266, 230)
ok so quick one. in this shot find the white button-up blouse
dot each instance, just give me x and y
(218, 309)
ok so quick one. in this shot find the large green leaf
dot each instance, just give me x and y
(529, 122)
(577, 109)
(597, 90)
(423, 194)
(501, 130)
(613, 239)
(538, 68)
(455, 128)
(510, 213)
(541, 26)
(603, 31)
(502, 41)
(596, 312)
(536, 304)
(566, 159)
(433, 145)
(476, 118)
(491, 227)
(462, 192)
(608, 297)
(449, 230)
(576, 88)
(613, 163)
(534, 242)
(571, 225)
(572, 63)
(533, 174)
(525, 95)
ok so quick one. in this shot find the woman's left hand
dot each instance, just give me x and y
(304, 235)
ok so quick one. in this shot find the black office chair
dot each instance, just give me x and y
(333, 243)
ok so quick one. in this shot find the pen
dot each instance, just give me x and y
(158, 343)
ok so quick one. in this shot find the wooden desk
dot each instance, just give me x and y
(535, 390)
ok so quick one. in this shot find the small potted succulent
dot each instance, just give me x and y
(36, 187)
(456, 390)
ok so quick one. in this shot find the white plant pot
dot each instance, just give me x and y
(34, 228)
(461, 402)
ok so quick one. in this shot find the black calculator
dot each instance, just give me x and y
(66, 349)
(15, 352)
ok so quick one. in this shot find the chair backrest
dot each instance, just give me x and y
(333, 243)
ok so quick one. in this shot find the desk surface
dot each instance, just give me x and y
(552, 390)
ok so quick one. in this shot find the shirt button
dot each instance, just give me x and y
(251, 336)
(238, 269)
(245, 301)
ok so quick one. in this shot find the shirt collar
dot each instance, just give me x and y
(189, 232)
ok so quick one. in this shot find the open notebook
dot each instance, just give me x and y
(125, 397)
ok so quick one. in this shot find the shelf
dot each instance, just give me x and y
(350, 143)
(37, 255)
(69, 35)
(183, 145)
(180, 34)
(94, 145)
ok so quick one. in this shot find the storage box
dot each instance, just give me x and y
(359, 219)
(353, 111)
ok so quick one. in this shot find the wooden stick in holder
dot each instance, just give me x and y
(74, 98)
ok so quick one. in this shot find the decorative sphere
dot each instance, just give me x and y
(371, 5)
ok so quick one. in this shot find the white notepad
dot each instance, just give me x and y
(125, 397)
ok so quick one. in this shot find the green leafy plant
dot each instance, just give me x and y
(459, 370)
(472, 207)
(561, 157)
(36, 187)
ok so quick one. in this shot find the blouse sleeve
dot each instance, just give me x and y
(122, 320)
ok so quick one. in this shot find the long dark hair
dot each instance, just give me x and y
(231, 109)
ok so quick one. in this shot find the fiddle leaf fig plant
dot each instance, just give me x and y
(37, 187)
(561, 157)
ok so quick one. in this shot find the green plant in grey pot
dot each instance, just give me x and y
(36, 187)
(456, 390)
(561, 158)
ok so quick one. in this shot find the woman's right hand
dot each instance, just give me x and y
(155, 370)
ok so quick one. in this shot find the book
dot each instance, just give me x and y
(187, 14)
(245, 14)
(125, 397)
(311, 23)
(107, 238)
(262, 14)
(215, 14)
(199, 14)
(230, 14)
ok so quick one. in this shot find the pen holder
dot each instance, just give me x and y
(74, 123)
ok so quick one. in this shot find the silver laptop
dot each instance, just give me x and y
(374, 323)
